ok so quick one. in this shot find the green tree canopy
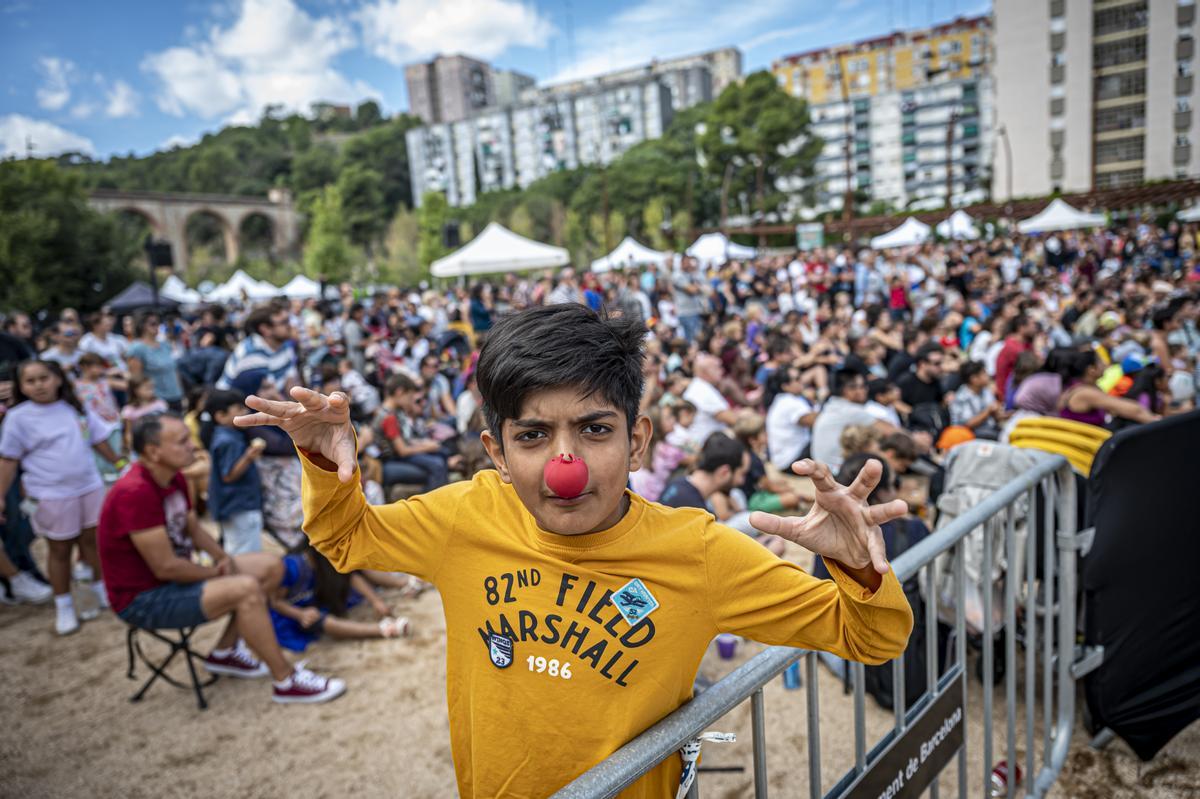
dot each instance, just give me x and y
(327, 250)
(55, 251)
(756, 133)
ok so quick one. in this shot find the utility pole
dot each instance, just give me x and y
(1002, 132)
(604, 206)
(848, 197)
(725, 198)
(950, 157)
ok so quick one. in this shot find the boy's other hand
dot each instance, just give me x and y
(840, 524)
(316, 423)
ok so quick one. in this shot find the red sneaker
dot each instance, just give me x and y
(304, 687)
(237, 662)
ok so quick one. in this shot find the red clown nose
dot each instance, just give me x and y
(566, 476)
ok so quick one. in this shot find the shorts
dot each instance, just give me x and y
(169, 606)
(63, 519)
(242, 532)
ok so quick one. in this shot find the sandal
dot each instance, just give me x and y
(395, 628)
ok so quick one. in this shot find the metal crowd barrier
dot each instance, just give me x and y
(873, 773)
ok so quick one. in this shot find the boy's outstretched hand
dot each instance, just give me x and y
(317, 423)
(840, 525)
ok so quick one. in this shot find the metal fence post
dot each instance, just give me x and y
(758, 722)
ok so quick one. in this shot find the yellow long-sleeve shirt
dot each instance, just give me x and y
(545, 677)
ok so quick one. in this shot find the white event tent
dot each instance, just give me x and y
(498, 249)
(911, 231)
(959, 225)
(233, 289)
(714, 249)
(175, 289)
(1058, 215)
(1189, 214)
(630, 252)
(301, 287)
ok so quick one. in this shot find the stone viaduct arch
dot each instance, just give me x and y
(168, 215)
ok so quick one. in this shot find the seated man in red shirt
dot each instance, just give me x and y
(146, 536)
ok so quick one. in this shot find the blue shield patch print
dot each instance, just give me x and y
(634, 601)
(500, 647)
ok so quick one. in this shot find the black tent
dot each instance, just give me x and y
(1140, 595)
(139, 295)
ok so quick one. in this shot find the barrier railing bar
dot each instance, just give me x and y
(989, 666)
(1010, 643)
(814, 726)
(898, 695)
(1066, 636)
(931, 645)
(1030, 628)
(960, 647)
(858, 672)
(758, 723)
(1048, 537)
(664, 738)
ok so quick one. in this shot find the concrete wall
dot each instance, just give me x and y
(1022, 70)
(1077, 147)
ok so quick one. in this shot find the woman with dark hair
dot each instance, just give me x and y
(480, 307)
(50, 435)
(153, 358)
(313, 598)
(1083, 401)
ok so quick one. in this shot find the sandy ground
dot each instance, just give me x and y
(70, 730)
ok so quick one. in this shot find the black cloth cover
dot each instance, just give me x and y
(1141, 583)
(139, 295)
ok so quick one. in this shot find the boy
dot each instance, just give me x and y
(234, 490)
(573, 623)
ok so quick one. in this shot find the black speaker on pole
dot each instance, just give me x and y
(451, 235)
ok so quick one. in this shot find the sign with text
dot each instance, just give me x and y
(919, 754)
(809, 236)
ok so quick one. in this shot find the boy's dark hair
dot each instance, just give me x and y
(878, 386)
(221, 400)
(147, 430)
(901, 444)
(684, 406)
(932, 348)
(258, 317)
(854, 464)
(844, 377)
(560, 345)
(969, 370)
(399, 382)
(720, 450)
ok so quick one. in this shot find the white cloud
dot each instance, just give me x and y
(16, 130)
(272, 52)
(122, 100)
(400, 31)
(177, 141)
(55, 91)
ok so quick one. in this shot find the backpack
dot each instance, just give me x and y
(879, 682)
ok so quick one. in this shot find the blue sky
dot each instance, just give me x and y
(119, 77)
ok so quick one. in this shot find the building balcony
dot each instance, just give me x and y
(1183, 154)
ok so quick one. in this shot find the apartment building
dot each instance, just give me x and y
(1094, 94)
(907, 119)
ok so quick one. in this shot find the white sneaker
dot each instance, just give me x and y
(66, 622)
(82, 573)
(27, 588)
(89, 614)
(304, 687)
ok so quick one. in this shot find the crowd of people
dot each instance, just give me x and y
(120, 449)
